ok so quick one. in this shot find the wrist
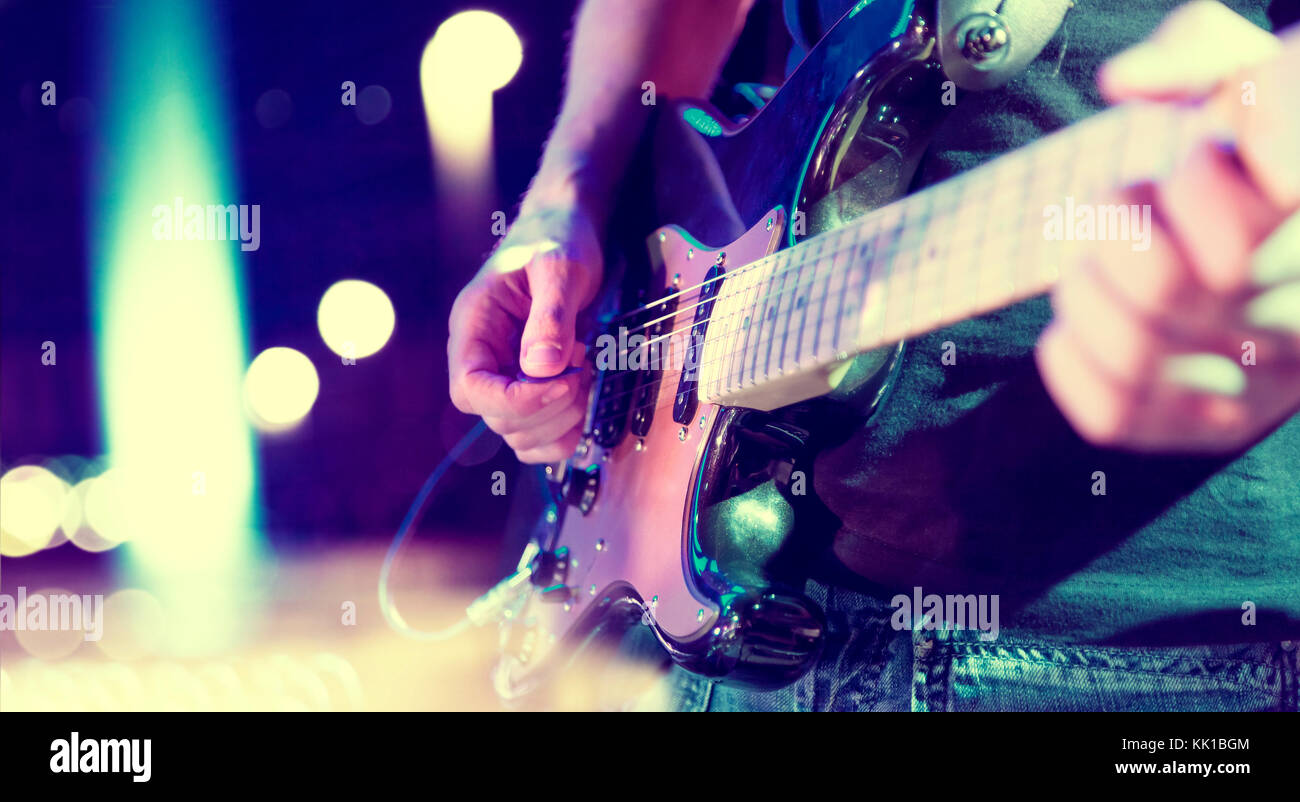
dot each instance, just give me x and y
(585, 160)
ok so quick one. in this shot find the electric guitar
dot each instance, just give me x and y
(790, 268)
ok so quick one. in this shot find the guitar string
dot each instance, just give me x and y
(896, 234)
(893, 270)
(1010, 169)
(949, 213)
(957, 189)
(1119, 117)
(1020, 165)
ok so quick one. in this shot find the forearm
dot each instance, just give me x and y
(619, 45)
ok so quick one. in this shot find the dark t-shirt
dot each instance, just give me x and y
(969, 480)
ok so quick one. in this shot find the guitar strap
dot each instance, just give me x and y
(985, 43)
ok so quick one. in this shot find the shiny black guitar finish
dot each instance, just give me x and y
(842, 137)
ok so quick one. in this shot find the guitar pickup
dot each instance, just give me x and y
(685, 403)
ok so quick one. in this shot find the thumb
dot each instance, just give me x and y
(1189, 55)
(547, 341)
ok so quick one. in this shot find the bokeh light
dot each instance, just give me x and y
(55, 641)
(280, 387)
(355, 318)
(32, 505)
(373, 104)
(478, 48)
(471, 55)
(134, 625)
(102, 512)
(273, 108)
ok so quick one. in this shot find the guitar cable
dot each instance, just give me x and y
(482, 610)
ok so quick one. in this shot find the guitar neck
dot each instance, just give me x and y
(983, 240)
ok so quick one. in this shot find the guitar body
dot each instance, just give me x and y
(699, 521)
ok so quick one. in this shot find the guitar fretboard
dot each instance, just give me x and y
(983, 240)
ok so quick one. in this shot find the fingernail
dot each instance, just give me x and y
(544, 355)
(1279, 308)
(1210, 373)
(555, 393)
(1278, 258)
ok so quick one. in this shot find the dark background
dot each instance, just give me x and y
(340, 199)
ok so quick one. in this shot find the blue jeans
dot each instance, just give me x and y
(868, 665)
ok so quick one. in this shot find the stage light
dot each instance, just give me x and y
(280, 388)
(7, 692)
(134, 625)
(53, 642)
(169, 332)
(355, 318)
(373, 104)
(476, 49)
(471, 55)
(101, 502)
(274, 108)
(74, 511)
(32, 505)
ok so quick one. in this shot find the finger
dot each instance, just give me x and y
(512, 424)
(468, 357)
(1262, 111)
(562, 448)
(1099, 408)
(492, 395)
(1149, 274)
(479, 331)
(1170, 414)
(548, 338)
(1276, 312)
(545, 433)
(1120, 339)
(1216, 217)
(1277, 259)
(1193, 50)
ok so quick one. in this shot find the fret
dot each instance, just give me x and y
(817, 297)
(775, 317)
(749, 313)
(857, 256)
(969, 245)
(825, 283)
(789, 336)
(1051, 185)
(899, 318)
(876, 304)
(986, 265)
(749, 300)
(799, 306)
(961, 279)
(724, 318)
(782, 303)
(735, 311)
(935, 243)
(763, 318)
(841, 275)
